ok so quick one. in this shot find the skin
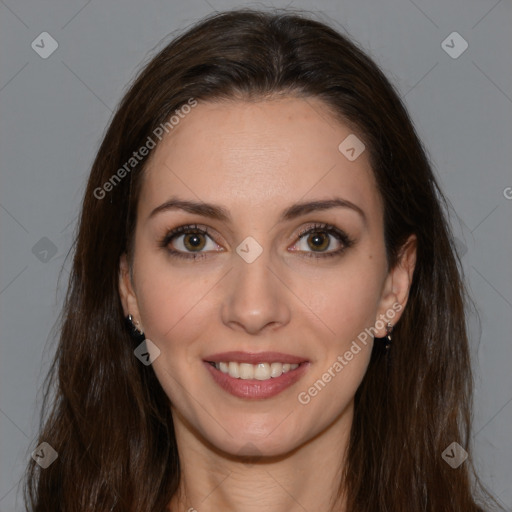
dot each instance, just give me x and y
(256, 159)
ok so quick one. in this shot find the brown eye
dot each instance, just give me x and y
(190, 241)
(318, 241)
(193, 241)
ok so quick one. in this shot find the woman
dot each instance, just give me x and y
(263, 218)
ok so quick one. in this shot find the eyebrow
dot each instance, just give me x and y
(217, 212)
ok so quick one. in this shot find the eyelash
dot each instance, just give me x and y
(315, 228)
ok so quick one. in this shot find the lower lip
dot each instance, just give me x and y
(257, 389)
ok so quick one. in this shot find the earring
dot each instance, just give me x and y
(389, 330)
(132, 326)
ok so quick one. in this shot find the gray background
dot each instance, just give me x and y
(55, 110)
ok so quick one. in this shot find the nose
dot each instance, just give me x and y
(256, 298)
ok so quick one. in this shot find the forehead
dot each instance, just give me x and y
(256, 157)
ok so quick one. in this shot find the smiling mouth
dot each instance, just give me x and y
(260, 371)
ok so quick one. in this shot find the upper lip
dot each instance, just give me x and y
(255, 357)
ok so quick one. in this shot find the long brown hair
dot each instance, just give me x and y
(106, 414)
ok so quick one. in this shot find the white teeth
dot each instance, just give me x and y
(276, 369)
(234, 370)
(246, 371)
(260, 371)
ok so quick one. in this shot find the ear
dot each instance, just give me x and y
(126, 289)
(396, 287)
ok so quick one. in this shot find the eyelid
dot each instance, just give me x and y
(184, 229)
(323, 227)
(312, 227)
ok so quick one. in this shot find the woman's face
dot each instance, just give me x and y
(272, 274)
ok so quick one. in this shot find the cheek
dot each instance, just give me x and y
(177, 303)
(347, 301)
(176, 313)
(174, 305)
(330, 388)
(348, 308)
